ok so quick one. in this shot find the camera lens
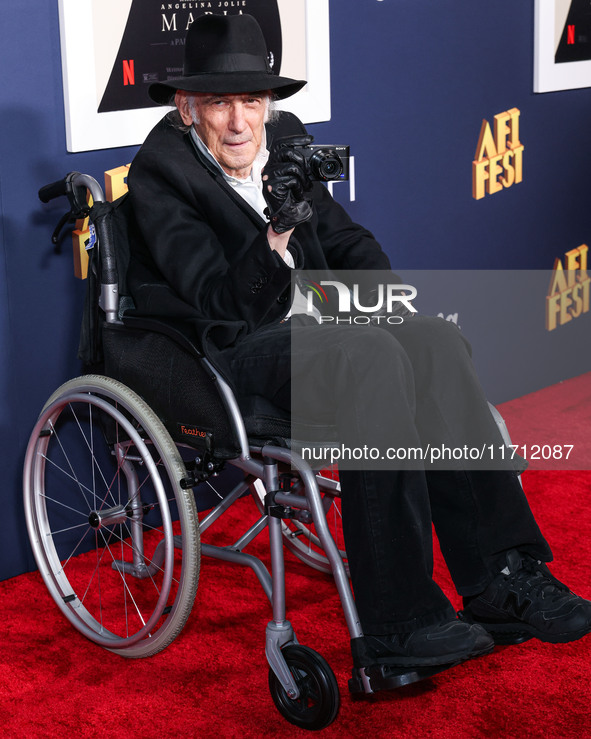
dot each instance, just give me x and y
(329, 168)
(326, 164)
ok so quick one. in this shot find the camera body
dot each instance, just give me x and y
(326, 163)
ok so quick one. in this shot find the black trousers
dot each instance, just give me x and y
(402, 387)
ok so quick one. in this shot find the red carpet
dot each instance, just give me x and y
(212, 681)
(553, 424)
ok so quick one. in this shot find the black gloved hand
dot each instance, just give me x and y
(286, 186)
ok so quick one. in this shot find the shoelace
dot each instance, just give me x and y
(530, 577)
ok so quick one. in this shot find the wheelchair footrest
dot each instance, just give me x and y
(371, 675)
(370, 679)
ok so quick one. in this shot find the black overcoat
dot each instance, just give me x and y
(201, 252)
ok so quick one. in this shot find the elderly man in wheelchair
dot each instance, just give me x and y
(224, 210)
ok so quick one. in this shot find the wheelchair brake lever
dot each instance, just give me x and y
(66, 218)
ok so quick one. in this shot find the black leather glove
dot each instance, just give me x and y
(286, 186)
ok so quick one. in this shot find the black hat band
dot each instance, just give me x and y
(222, 63)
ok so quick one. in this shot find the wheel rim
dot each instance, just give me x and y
(318, 701)
(100, 520)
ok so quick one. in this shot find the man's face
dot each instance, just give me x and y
(231, 126)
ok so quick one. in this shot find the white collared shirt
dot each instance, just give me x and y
(251, 189)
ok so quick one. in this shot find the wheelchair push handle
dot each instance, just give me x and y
(52, 191)
(74, 185)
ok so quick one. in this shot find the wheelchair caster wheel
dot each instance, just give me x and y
(318, 702)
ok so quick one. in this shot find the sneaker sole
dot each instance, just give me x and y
(517, 633)
(444, 659)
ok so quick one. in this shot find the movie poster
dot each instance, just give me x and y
(562, 45)
(112, 50)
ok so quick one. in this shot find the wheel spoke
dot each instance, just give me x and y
(125, 586)
(63, 505)
(96, 572)
(65, 564)
(221, 497)
(146, 559)
(69, 528)
(100, 461)
(90, 446)
(71, 477)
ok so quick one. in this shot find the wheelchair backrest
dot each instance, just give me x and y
(153, 358)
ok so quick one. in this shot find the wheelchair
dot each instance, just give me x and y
(109, 478)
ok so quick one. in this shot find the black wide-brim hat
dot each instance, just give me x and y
(226, 55)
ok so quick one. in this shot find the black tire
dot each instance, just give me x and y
(318, 703)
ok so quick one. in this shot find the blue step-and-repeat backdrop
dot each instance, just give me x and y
(477, 186)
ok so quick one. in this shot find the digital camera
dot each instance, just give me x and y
(326, 163)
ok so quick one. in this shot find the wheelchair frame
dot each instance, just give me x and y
(302, 684)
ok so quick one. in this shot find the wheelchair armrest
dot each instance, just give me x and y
(175, 330)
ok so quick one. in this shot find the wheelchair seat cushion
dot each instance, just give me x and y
(262, 420)
(175, 383)
(174, 380)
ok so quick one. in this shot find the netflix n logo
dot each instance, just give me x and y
(128, 72)
(570, 35)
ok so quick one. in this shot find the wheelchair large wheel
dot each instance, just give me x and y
(114, 533)
(318, 702)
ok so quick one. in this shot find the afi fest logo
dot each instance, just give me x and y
(568, 293)
(385, 302)
(498, 162)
